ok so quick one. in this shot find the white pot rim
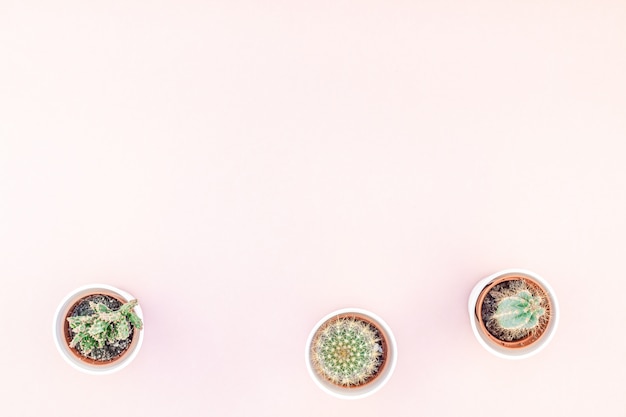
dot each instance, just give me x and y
(359, 392)
(59, 338)
(518, 353)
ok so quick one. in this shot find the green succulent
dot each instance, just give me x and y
(347, 351)
(520, 311)
(103, 326)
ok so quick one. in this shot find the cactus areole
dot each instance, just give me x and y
(513, 311)
(349, 351)
(100, 328)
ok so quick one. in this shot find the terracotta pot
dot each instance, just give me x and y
(62, 334)
(388, 357)
(529, 344)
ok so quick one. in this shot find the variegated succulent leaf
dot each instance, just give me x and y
(98, 326)
(103, 326)
(99, 307)
(74, 322)
(519, 311)
(135, 320)
(111, 335)
(112, 317)
(128, 307)
(79, 324)
(87, 344)
(122, 330)
(77, 338)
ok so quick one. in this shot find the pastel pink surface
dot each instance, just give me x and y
(244, 168)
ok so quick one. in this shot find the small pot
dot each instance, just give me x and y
(388, 356)
(62, 335)
(527, 345)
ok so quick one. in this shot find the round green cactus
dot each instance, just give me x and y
(519, 311)
(347, 351)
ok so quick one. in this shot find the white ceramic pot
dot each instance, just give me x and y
(59, 329)
(501, 351)
(369, 388)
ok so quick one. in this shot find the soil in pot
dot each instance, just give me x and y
(111, 351)
(349, 351)
(522, 332)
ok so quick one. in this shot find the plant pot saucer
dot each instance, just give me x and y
(511, 350)
(59, 329)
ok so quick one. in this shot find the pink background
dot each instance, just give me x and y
(244, 168)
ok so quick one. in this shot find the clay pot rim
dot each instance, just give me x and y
(76, 352)
(496, 349)
(383, 342)
(382, 376)
(62, 345)
(520, 343)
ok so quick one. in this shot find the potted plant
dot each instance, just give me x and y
(513, 313)
(98, 329)
(351, 353)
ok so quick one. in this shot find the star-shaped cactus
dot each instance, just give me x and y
(347, 351)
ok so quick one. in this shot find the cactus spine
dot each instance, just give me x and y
(520, 311)
(347, 351)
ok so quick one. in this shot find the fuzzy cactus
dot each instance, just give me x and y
(103, 326)
(347, 351)
(520, 310)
